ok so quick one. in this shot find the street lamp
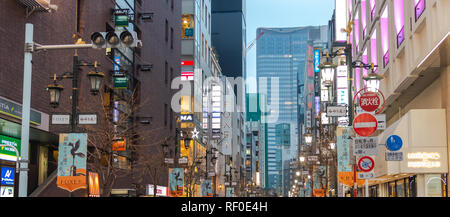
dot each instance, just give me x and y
(308, 138)
(327, 71)
(373, 81)
(55, 93)
(95, 79)
(302, 159)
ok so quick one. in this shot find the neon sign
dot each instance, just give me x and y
(424, 160)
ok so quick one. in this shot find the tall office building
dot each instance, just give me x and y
(281, 62)
(229, 35)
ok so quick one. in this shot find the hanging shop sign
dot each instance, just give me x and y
(187, 63)
(316, 60)
(8, 153)
(187, 76)
(313, 158)
(120, 82)
(72, 161)
(121, 18)
(120, 145)
(368, 101)
(365, 124)
(366, 164)
(15, 110)
(7, 176)
(365, 146)
(394, 143)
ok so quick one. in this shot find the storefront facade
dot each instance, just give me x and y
(423, 172)
(41, 149)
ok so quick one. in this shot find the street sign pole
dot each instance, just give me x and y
(26, 101)
(367, 187)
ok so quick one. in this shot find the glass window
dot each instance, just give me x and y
(433, 186)
(445, 185)
(399, 21)
(419, 8)
(400, 185)
(391, 189)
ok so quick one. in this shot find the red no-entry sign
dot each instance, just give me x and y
(365, 124)
(366, 164)
(369, 101)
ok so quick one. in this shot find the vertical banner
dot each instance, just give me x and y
(72, 161)
(343, 149)
(94, 185)
(207, 188)
(176, 182)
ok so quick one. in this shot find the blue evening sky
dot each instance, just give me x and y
(282, 13)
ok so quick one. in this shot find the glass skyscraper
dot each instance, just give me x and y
(280, 60)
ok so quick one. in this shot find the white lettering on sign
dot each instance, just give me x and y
(365, 124)
(428, 160)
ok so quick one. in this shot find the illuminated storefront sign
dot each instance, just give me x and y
(424, 160)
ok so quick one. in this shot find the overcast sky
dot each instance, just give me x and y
(282, 13)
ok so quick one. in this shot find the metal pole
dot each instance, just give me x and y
(348, 55)
(367, 188)
(75, 92)
(26, 101)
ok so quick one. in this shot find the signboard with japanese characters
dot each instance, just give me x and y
(394, 156)
(369, 175)
(90, 119)
(336, 111)
(365, 146)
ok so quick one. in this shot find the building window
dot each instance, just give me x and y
(166, 73)
(167, 31)
(419, 8)
(399, 21)
(171, 38)
(384, 24)
(166, 110)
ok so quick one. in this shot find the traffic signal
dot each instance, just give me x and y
(115, 39)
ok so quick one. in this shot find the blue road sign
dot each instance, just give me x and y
(394, 143)
(7, 176)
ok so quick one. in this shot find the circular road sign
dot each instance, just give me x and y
(369, 101)
(366, 164)
(365, 124)
(394, 143)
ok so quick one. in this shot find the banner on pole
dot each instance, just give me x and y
(72, 161)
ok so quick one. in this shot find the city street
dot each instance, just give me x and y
(226, 105)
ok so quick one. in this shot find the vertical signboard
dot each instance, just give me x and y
(72, 161)
(227, 133)
(94, 185)
(7, 176)
(176, 182)
(316, 60)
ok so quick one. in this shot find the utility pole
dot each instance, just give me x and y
(26, 104)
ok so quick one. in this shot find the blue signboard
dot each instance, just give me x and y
(7, 176)
(394, 143)
(316, 60)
